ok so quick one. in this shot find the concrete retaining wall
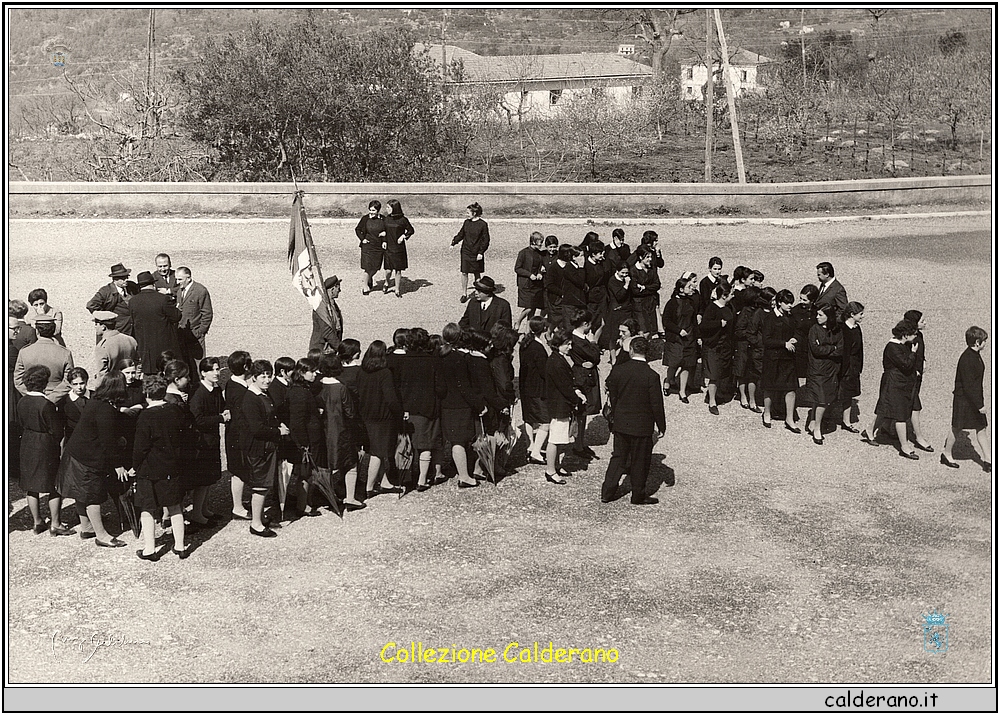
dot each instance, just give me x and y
(497, 199)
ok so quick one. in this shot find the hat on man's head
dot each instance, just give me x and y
(485, 284)
(103, 316)
(145, 279)
(120, 271)
(331, 282)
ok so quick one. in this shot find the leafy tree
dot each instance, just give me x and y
(951, 42)
(310, 102)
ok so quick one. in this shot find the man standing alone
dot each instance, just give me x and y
(637, 421)
(324, 336)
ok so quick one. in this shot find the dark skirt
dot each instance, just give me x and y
(382, 436)
(530, 298)
(85, 485)
(718, 364)
(681, 353)
(644, 311)
(426, 433)
(742, 362)
(39, 461)
(916, 395)
(471, 265)
(612, 321)
(821, 391)
(534, 412)
(202, 473)
(895, 398)
(458, 426)
(371, 257)
(778, 374)
(261, 470)
(395, 257)
(153, 495)
(965, 415)
(850, 387)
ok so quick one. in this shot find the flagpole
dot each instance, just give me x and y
(311, 247)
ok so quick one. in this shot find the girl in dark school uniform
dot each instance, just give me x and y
(968, 410)
(530, 271)
(562, 401)
(680, 351)
(371, 238)
(533, 355)
(895, 397)
(262, 430)
(825, 344)
(743, 366)
(398, 230)
(716, 332)
(462, 405)
(73, 406)
(852, 363)
(778, 374)
(475, 239)
(920, 440)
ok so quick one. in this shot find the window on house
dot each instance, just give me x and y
(689, 91)
(597, 91)
(743, 75)
(554, 96)
(637, 91)
(689, 73)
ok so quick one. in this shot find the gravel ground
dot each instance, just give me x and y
(768, 559)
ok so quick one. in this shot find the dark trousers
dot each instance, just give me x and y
(193, 350)
(634, 454)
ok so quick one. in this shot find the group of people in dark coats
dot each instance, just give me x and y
(382, 239)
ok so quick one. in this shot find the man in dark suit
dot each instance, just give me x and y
(831, 292)
(195, 305)
(115, 298)
(166, 278)
(487, 309)
(637, 421)
(324, 336)
(155, 319)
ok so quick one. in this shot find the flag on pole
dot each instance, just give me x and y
(306, 274)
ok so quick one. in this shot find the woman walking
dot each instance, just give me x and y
(716, 330)
(680, 325)
(778, 373)
(381, 414)
(260, 435)
(968, 411)
(462, 405)
(529, 271)
(895, 397)
(371, 235)
(398, 231)
(305, 427)
(340, 414)
(562, 401)
(209, 412)
(825, 344)
(920, 440)
(475, 239)
(852, 363)
(533, 355)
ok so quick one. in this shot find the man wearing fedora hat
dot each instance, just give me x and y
(155, 318)
(45, 351)
(487, 309)
(325, 336)
(112, 347)
(113, 297)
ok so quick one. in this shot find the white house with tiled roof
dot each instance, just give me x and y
(743, 66)
(540, 85)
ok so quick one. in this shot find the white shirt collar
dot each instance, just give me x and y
(255, 390)
(32, 392)
(155, 403)
(239, 380)
(172, 390)
(208, 386)
(640, 358)
(486, 303)
(329, 381)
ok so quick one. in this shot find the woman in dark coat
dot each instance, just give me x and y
(968, 410)
(596, 274)
(743, 366)
(585, 356)
(382, 415)
(619, 306)
(755, 337)
(72, 406)
(530, 272)
(340, 414)
(803, 317)
(563, 401)
(475, 239)
(532, 356)
(618, 252)
(825, 343)
(162, 440)
(895, 395)
(42, 431)
(920, 440)
(645, 289)
(852, 363)
(239, 364)
(260, 435)
(716, 332)
(398, 230)
(208, 410)
(475, 343)
(778, 374)
(421, 387)
(371, 235)
(503, 340)
(94, 455)
(305, 427)
(463, 402)
(680, 328)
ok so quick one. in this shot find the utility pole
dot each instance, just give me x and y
(709, 97)
(150, 68)
(802, 44)
(731, 96)
(444, 56)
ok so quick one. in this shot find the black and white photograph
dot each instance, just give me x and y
(633, 347)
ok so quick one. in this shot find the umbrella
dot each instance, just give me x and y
(404, 459)
(126, 506)
(485, 447)
(284, 478)
(322, 479)
(505, 439)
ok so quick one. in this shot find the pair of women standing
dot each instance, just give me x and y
(383, 243)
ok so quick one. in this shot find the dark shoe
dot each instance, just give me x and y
(987, 467)
(385, 288)
(765, 422)
(922, 448)
(348, 506)
(706, 393)
(744, 405)
(187, 552)
(684, 399)
(425, 487)
(532, 460)
(714, 409)
(464, 298)
(793, 430)
(113, 544)
(756, 410)
(366, 291)
(848, 428)
(87, 535)
(646, 500)
(908, 455)
(466, 485)
(948, 463)
(242, 518)
(267, 532)
(61, 530)
(155, 556)
(816, 440)
(868, 440)
(312, 512)
(553, 480)
(666, 388)
(583, 453)
(41, 528)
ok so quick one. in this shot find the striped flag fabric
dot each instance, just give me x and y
(302, 262)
